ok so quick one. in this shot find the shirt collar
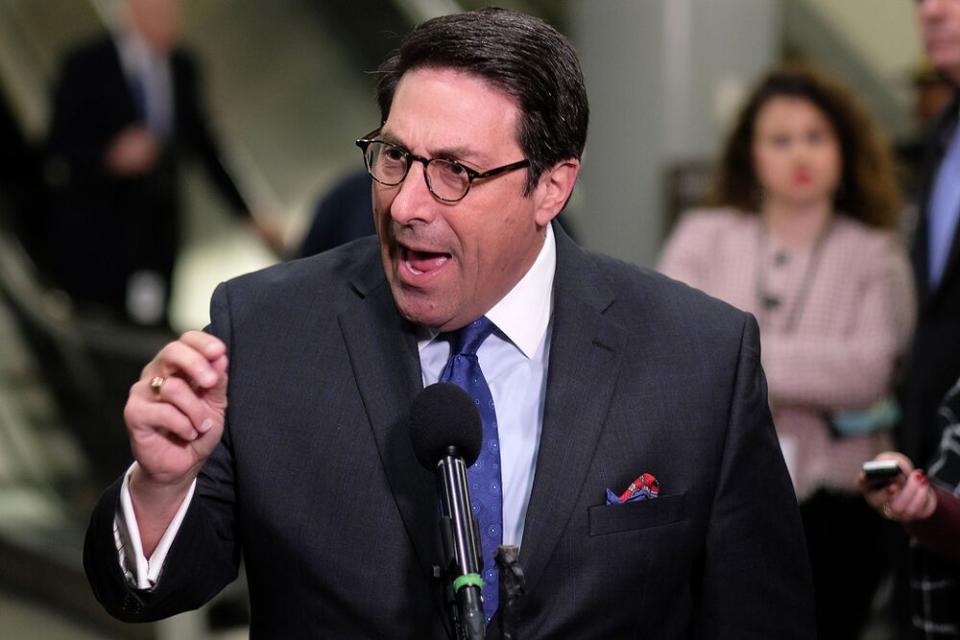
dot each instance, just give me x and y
(135, 53)
(523, 315)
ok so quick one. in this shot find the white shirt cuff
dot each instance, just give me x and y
(140, 572)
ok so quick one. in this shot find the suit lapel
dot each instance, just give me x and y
(383, 353)
(122, 101)
(951, 270)
(585, 353)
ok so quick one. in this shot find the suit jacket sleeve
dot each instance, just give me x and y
(204, 556)
(756, 580)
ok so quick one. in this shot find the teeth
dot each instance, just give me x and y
(413, 269)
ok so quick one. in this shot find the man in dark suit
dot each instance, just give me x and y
(935, 358)
(126, 110)
(598, 372)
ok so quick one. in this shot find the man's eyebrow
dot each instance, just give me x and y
(462, 153)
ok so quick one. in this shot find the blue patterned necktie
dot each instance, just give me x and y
(463, 370)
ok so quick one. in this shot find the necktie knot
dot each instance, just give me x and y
(467, 340)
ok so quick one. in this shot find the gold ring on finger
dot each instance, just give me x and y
(156, 385)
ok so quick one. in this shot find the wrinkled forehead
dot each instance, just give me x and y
(447, 108)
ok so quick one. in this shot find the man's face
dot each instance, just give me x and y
(449, 263)
(940, 26)
(157, 21)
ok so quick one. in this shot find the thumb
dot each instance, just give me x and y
(216, 395)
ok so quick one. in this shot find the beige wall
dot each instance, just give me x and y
(883, 32)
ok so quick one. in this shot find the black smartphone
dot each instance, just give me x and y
(880, 473)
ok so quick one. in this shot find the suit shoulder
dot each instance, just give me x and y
(330, 273)
(90, 52)
(185, 64)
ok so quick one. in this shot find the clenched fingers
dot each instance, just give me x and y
(191, 357)
(160, 417)
(181, 395)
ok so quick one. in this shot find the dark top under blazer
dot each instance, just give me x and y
(316, 485)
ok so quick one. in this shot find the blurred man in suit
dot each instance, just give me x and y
(935, 359)
(597, 372)
(127, 108)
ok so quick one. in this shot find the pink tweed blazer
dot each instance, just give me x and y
(832, 349)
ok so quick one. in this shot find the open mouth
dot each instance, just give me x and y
(423, 262)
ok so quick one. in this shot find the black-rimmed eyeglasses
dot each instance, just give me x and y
(447, 180)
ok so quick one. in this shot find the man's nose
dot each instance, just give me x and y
(413, 200)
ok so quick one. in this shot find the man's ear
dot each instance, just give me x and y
(554, 189)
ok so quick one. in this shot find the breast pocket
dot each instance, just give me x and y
(615, 518)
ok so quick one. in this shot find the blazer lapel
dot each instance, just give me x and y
(585, 354)
(123, 105)
(383, 353)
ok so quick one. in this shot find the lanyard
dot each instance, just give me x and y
(765, 301)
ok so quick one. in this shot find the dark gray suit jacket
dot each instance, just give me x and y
(316, 486)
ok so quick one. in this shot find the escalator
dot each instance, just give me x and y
(288, 88)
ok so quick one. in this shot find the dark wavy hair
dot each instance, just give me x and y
(522, 56)
(868, 190)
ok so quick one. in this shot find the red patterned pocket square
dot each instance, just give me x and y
(645, 487)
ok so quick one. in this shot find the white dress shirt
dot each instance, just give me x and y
(514, 360)
(150, 78)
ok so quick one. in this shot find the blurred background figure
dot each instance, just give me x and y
(929, 510)
(931, 93)
(21, 184)
(127, 107)
(802, 236)
(934, 363)
(342, 215)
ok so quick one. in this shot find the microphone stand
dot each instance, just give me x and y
(461, 545)
(512, 590)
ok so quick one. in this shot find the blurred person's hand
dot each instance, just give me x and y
(174, 416)
(133, 152)
(903, 501)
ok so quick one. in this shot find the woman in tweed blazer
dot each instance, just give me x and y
(802, 235)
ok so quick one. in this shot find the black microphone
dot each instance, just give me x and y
(447, 432)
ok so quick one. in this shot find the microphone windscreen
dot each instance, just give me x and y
(444, 416)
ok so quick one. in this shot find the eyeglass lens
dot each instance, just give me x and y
(389, 165)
